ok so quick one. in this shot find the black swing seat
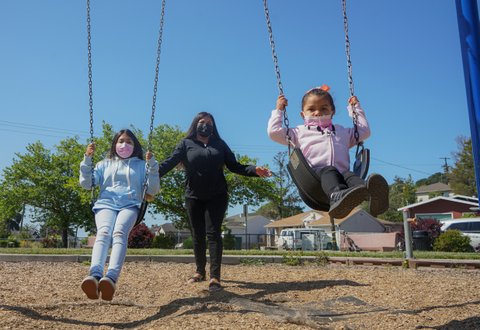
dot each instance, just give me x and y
(362, 161)
(308, 183)
(141, 213)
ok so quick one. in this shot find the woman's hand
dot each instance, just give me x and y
(353, 100)
(90, 150)
(148, 155)
(263, 171)
(282, 102)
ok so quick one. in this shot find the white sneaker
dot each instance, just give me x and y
(107, 288)
(90, 287)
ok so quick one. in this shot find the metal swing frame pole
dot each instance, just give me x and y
(468, 25)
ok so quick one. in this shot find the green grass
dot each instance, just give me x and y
(154, 252)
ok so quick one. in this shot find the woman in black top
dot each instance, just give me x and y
(204, 154)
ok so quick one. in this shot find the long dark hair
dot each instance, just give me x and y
(319, 92)
(192, 131)
(137, 147)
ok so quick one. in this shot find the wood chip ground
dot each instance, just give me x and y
(39, 295)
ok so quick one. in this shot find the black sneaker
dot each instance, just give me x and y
(378, 189)
(344, 201)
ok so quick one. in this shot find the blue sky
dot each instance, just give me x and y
(216, 57)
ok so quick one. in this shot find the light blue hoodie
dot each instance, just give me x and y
(120, 180)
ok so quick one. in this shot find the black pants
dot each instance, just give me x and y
(332, 180)
(206, 217)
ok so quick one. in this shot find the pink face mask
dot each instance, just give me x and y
(124, 150)
(321, 121)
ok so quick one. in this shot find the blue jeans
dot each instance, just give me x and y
(113, 228)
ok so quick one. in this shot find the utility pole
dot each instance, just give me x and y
(446, 169)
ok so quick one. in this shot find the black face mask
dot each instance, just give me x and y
(204, 130)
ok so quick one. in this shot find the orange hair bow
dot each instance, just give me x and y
(324, 88)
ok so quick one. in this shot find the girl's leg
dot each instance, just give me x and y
(343, 197)
(123, 225)
(105, 220)
(215, 212)
(332, 180)
(353, 180)
(196, 217)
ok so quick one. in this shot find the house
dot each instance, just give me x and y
(441, 207)
(168, 229)
(357, 222)
(295, 221)
(249, 235)
(361, 231)
(424, 193)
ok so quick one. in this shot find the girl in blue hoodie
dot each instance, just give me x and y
(121, 178)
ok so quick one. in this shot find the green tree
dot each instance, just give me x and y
(43, 180)
(434, 178)
(284, 200)
(462, 176)
(402, 193)
(170, 201)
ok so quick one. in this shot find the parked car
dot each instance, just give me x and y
(467, 226)
(307, 239)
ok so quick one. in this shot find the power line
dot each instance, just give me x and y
(39, 127)
(403, 167)
(32, 129)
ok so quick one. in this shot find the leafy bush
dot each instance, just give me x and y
(229, 241)
(452, 241)
(140, 237)
(84, 241)
(292, 259)
(52, 241)
(432, 226)
(163, 242)
(252, 262)
(188, 243)
(8, 243)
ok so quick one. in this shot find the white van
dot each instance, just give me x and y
(468, 226)
(307, 239)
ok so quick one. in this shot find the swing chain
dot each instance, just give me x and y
(347, 48)
(154, 98)
(157, 65)
(277, 68)
(90, 89)
(349, 66)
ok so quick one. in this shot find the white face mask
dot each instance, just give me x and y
(321, 121)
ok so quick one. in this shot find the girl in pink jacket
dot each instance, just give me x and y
(325, 146)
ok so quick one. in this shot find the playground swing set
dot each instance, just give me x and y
(305, 179)
(145, 197)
